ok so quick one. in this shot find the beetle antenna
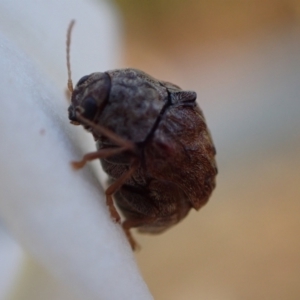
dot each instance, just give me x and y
(70, 83)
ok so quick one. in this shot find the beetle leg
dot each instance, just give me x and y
(131, 223)
(113, 188)
(102, 153)
(127, 224)
(119, 141)
(124, 144)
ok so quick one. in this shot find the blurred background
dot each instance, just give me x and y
(243, 60)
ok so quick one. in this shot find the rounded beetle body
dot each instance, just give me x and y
(171, 148)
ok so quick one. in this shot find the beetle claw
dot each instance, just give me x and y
(76, 165)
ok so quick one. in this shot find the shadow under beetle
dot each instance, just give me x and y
(152, 141)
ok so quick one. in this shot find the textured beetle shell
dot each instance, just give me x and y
(177, 167)
(134, 104)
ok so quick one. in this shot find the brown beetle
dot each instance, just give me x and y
(152, 141)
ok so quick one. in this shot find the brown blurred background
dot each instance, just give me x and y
(243, 60)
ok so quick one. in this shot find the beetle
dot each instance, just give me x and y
(152, 141)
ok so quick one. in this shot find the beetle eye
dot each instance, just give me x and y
(90, 108)
(82, 79)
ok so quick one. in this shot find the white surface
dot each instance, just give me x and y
(39, 28)
(57, 214)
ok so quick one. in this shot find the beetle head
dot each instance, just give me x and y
(89, 97)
